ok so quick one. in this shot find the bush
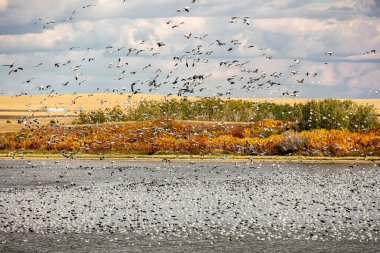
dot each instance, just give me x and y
(4, 143)
(364, 118)
(292, 143)
(336, 114)
(100, 116)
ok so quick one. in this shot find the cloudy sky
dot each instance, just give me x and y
(246, 48)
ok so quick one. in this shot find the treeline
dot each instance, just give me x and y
(321, 114)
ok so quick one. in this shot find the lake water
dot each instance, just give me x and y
(139, 206)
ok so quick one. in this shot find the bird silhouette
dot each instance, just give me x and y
(10, 65)
(15, 70)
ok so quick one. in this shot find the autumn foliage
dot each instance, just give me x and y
(266, 137)
(318, 128)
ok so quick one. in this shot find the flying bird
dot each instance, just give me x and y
(300, 81)
(220, 43)
(28, 81)
(88, 5)
(147, 66)
(15, 70)
(10, 65)
(186, 9)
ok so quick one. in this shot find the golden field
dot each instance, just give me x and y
(36, 106)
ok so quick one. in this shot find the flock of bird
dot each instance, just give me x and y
(201, 49)
(188, 201)
(191, 201)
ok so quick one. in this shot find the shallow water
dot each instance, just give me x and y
(131, 206)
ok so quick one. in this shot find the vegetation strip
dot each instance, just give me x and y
(325, 128)
(315, 114)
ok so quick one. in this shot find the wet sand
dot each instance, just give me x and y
(141, 206)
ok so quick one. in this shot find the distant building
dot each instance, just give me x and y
(58, 111)
(55, 110)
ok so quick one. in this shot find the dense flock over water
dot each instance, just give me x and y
(203, 206)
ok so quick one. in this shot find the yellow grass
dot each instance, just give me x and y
(72, 102)
(14, 126)
(36, 105)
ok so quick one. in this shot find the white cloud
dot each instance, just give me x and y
(287, 30)
(360, 77)
(3, 5)
(308, 37)
(46, 40)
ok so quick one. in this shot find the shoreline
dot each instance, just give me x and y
(196, 158)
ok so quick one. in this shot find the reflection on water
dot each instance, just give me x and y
(99, 206)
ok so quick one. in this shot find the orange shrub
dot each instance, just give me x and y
(268, 137)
